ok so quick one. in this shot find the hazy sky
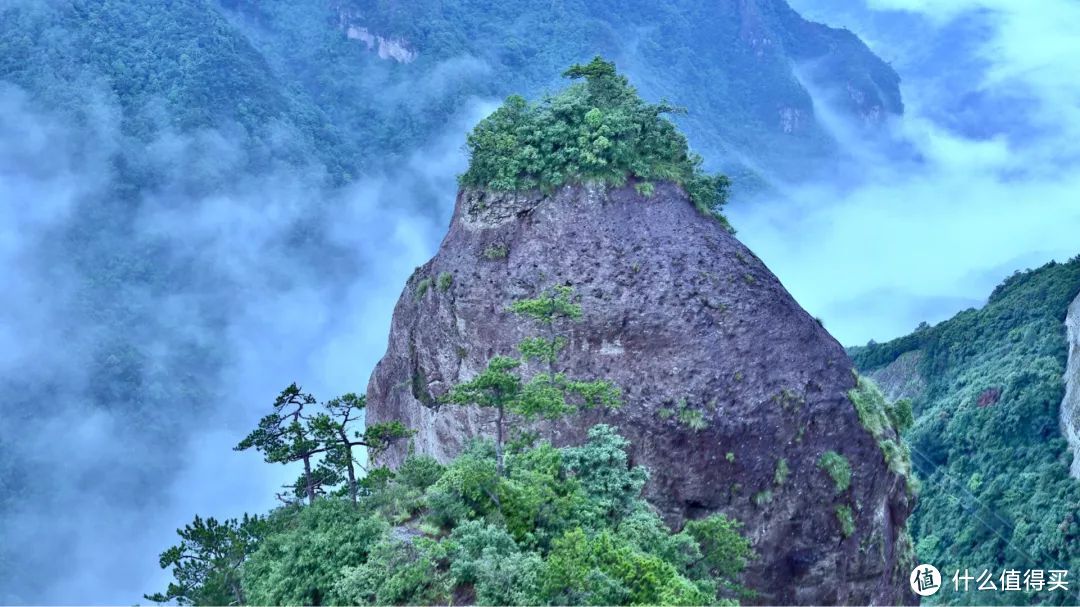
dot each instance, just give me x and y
(993, 112)
(107, 499)
(989, 186)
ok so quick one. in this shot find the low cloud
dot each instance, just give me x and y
(926, 219)
(280, 279)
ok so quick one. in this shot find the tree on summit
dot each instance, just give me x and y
(596, 130)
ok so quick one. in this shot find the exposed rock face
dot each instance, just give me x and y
(1070, 405)
(901, 378)
(687, 321)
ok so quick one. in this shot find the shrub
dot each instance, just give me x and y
(838, 468)
(422, 288)
(602, 467)
(846, 519)
(420, 471)
(398, 572)
(724, 549)
(445, 280)
(299, 564)
(487, 557)
(596, 130)
(763, 498)
(496, 251)
(782, 471)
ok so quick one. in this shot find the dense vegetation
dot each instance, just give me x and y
(536, 525)
(563, 526)
(985, 441)
(597, 130)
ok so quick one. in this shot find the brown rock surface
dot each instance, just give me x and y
(682, 317)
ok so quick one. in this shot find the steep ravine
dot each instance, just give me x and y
(691, 325)
(1070, 405)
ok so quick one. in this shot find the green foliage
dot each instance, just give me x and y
(554, 304)
(445, 280)
(398, 572)
(693, 419)
(763, 498)
(730, 457)
(645, 188)
(420, 472)
(782, 471)
(838, 468)
(884, 422)
(996, 488)
(604, 569)
(298, 431)
(486, 556)
(685, 415)
(208, 562)
(900, 415)
(421, 288)
(563, 526)
(598, 130)
(846, 519)
(299, 562)
(724, 548)
(602, 468)
(496, 251)
(546, 395)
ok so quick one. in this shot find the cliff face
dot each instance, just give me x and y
(1070, 405)
(901, 378)
(688, 322)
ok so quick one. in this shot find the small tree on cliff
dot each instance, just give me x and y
(297, 431)
(333, 431)
(547, 395)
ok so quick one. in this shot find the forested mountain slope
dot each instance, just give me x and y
(176, 165)
(314, 68)
(987, 388)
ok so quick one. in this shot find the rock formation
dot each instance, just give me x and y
(1070, 405)
(732, 392)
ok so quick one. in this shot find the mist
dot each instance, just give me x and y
(279, 278)
(977, 180)
(219, 285)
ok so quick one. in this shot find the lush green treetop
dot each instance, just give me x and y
(596, 130)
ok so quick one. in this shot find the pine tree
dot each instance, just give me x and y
(298, 431)
(546, 395)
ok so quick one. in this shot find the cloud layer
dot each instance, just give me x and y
(977, 180)
(279, 279)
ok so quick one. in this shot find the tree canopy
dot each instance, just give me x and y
(595, 130)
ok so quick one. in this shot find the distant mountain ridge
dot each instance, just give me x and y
(359, 80)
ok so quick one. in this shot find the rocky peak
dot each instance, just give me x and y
(732, 392)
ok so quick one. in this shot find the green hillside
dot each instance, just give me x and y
(986, 443)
